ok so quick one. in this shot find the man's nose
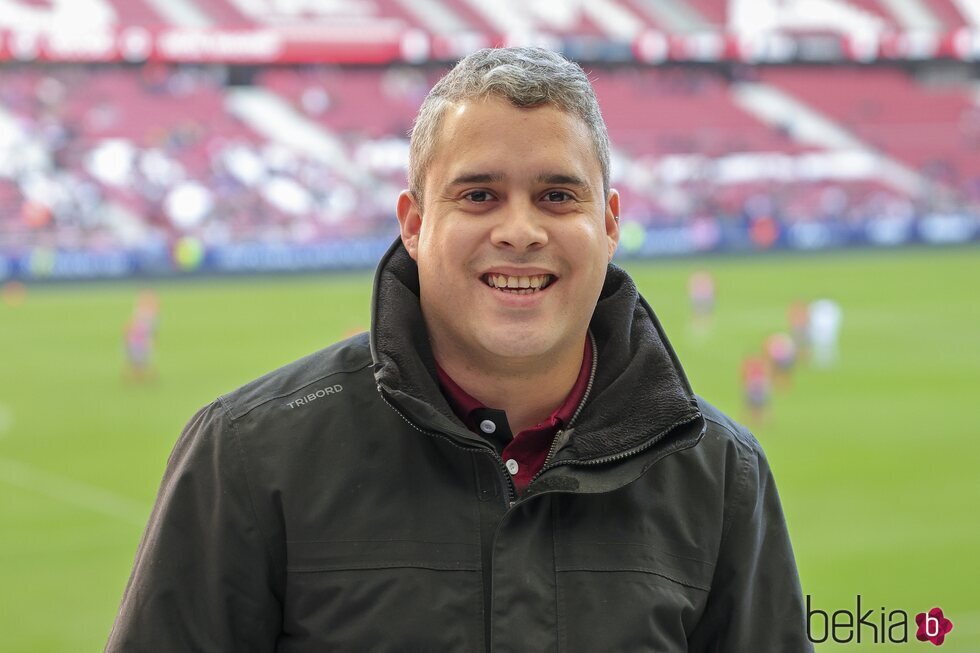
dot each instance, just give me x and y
(520, 227)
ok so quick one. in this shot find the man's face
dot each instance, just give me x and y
(515, 234)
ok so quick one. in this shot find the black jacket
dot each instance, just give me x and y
(337, 504)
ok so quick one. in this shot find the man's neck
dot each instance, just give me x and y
(528, 390)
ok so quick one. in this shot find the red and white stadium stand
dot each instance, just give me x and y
(415, 30)
(124, 122)
(887, 109)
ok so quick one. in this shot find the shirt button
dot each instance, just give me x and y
(488, 426)
(512, 466)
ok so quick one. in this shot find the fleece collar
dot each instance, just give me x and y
(639, 394)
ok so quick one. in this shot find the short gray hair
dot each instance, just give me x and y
(526, 77)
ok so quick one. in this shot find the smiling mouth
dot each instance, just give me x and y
(518, 285)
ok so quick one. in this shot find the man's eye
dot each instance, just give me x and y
(557, 196)
(478, 196)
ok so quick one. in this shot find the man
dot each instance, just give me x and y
(511, 460)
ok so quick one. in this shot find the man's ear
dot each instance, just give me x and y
(409, 222)
(612, 221)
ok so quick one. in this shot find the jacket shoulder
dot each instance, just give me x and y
(344, 357)
(720, 426)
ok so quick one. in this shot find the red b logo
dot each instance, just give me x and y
(933, 626)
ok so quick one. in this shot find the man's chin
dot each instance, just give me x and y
(517, 346)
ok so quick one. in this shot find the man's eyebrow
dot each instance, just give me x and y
(560, 179)
(477, 178)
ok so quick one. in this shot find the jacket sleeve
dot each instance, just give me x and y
(755, 602)
(203, 579)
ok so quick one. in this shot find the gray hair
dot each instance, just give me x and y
(526, 77)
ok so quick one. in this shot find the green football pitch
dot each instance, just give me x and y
(877, 458)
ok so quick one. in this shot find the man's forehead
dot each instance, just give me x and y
(489, 140)
(491, 111)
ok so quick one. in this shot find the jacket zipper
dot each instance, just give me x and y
(622, 454)
(606, 459)
(510, 490)
(588, 390)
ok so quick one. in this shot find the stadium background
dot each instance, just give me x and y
(796, 150)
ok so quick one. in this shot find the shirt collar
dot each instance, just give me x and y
(464, 404)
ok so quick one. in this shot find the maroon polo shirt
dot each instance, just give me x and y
(523, 454)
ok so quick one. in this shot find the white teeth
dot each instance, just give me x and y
(519, 285)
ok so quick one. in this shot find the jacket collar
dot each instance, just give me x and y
(639, 395)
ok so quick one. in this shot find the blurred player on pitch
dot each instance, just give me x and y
(701, 294)
(756, 387)
(139, 336)
(826, 316)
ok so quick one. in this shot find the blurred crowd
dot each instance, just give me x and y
(137, 157)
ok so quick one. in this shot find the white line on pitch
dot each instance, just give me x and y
(67, 490)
